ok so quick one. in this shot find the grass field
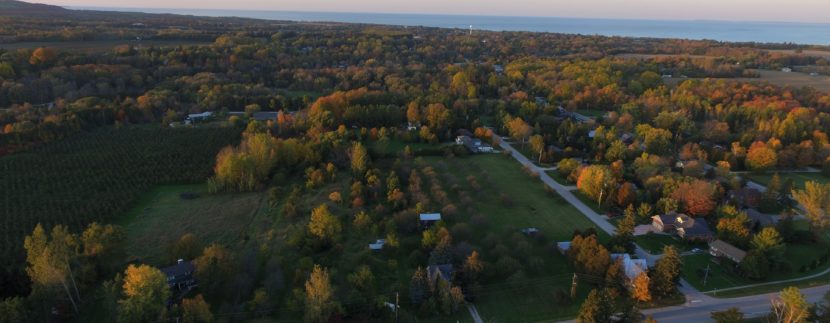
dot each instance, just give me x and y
(532, 206)
(558, 178)
(100, 45)
(798, 178)
(793, 79)
(162, 217)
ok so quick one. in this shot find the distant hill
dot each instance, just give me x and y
(14, 7)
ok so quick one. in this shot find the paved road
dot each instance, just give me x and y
(751, 306)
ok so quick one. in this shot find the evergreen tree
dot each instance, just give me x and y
(666, 273)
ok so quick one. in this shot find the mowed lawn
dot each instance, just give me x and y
(798, 178)
(530, 204)
(163, 216)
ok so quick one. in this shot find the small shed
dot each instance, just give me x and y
(377, 245)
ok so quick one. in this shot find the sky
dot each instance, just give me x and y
(726, 10)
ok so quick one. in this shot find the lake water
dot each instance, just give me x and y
(767, 32)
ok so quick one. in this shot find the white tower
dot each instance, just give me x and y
(471, 30)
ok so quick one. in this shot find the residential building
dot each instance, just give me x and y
(180, 275)
(722, 249)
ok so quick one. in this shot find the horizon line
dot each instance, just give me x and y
(93, 8)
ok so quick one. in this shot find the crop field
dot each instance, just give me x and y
(98, 175)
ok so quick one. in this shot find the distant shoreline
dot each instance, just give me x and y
(729, 31)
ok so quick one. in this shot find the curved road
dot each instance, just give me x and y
(698, 306)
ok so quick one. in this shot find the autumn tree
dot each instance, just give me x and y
(769, 241)
(666, 272)
(43, 56)
(596, 182)
(145, 294)
(473, 266)
(359, 160)
(595, 308)
(697, 198)
(567, 166)
(413, 113)
(733, 229)
(196, 310)
(104, 246)
(437, 117)
(640, 288)
(815, 199)
(324, 225)
(537, 144)
(49, 259)
(761, 157)
(319, 296)
(790, 306)
(519, 129)
(589, 256)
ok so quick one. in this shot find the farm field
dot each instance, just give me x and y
(98, 175)
(793, 79)
(798, 178)
(162, 216)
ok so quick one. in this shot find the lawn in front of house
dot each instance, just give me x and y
(798, 178)
(799, 256)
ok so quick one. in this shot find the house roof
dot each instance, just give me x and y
(430, 216)
(182, 268)
(728, 250)
(699, 228)
(757, 217)
(631, 267)
(443, 271)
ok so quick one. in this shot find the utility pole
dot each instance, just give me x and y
(397, 298)
(573, 287)
(706, 276)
